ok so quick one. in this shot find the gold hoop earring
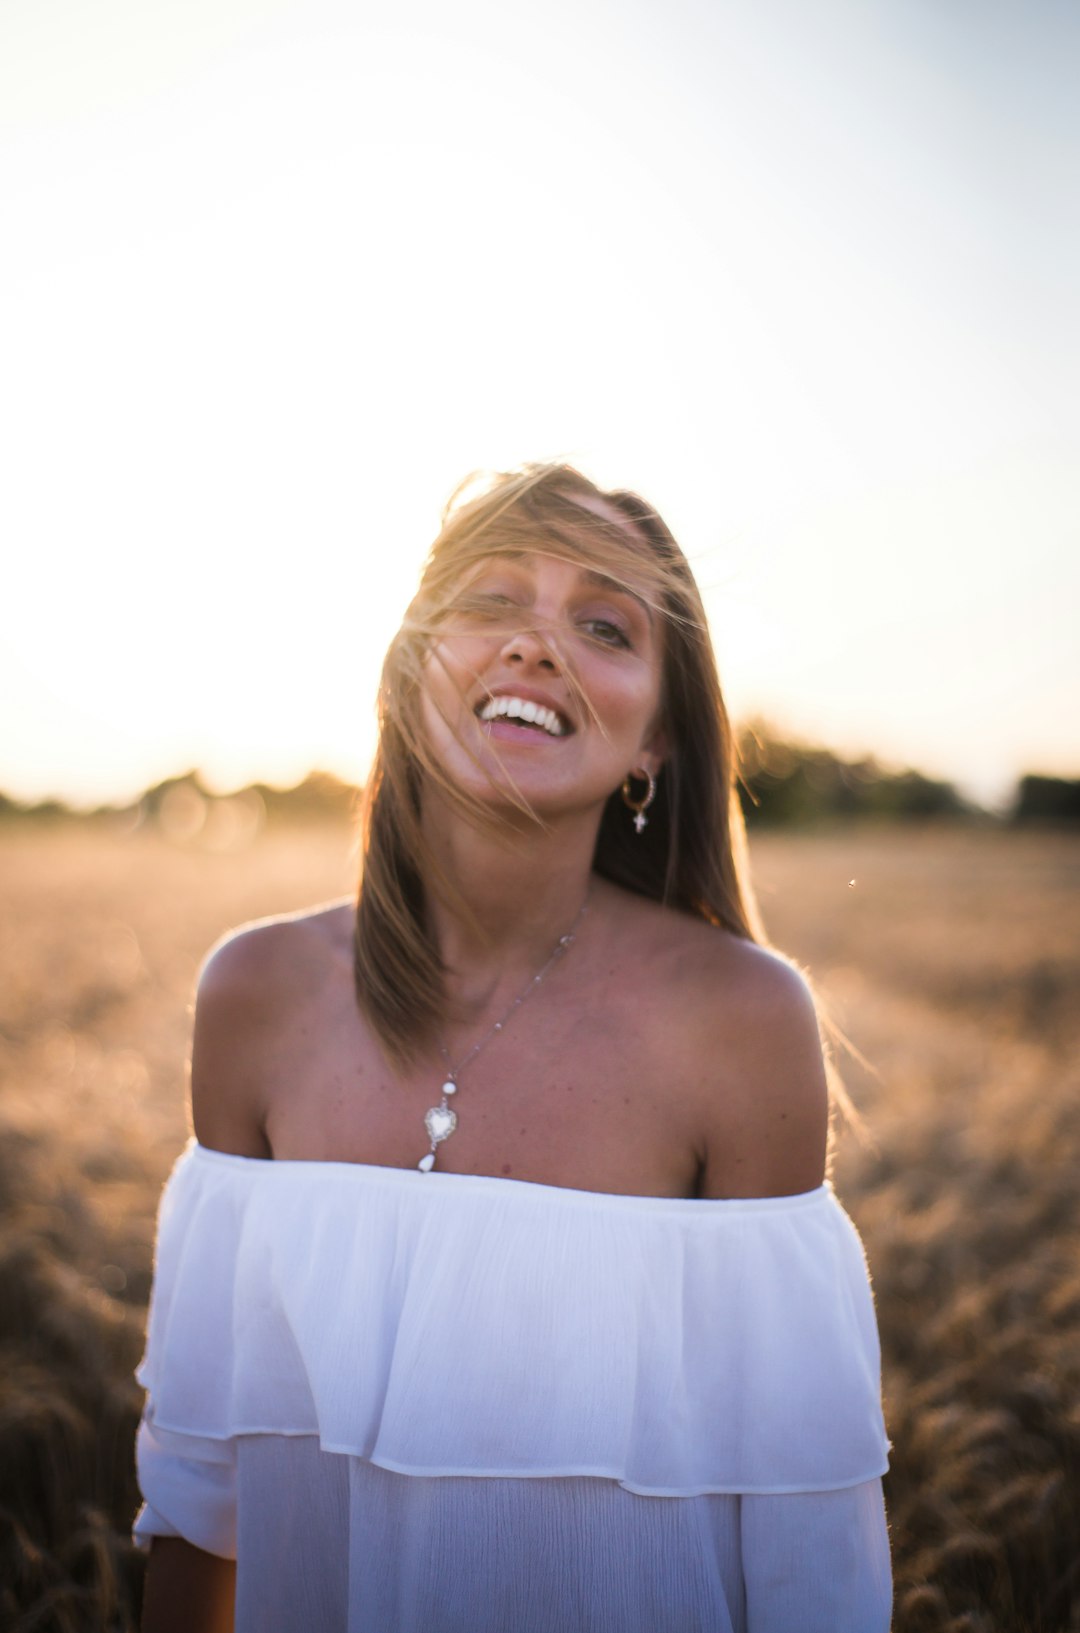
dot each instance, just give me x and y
(639, 806)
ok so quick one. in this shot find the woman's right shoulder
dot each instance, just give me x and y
(253, 985)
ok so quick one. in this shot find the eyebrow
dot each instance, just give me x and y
(612, 585)
(591, 575)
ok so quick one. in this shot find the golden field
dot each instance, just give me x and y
(951, 958)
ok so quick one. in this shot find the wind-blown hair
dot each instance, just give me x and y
(691, 855)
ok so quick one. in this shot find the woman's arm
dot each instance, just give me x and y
(187, 1590)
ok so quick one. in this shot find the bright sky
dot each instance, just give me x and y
(276, 273)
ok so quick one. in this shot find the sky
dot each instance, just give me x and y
(277, 275)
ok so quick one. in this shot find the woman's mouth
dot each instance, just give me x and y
(522, 712)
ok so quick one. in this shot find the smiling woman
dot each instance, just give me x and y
(542, 587)
(503, 1286)
(537, 650)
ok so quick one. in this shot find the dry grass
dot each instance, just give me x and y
(953, 960)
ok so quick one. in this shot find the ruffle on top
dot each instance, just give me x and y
(443, 1324)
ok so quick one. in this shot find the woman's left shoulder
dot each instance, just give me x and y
(747, 998)
(761, 983)
(753, 1064)
(705, 962)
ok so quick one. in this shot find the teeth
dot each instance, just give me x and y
(517, 708)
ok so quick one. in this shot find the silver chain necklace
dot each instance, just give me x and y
(441, 1120)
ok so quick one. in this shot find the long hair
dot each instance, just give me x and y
(692, 854)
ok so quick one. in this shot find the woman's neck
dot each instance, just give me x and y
(508, 896)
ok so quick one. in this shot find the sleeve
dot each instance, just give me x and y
(185, 1451)
(818, 1561)
(189, 1490)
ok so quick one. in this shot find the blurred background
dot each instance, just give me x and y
(275, 277)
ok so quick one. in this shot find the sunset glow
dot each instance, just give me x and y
(278, 276)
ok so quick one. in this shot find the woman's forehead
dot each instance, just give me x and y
(600, 506)
(534, 559)
(615, 549)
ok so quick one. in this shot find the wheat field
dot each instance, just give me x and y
(951, 959)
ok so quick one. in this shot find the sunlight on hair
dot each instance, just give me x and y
(692, 855)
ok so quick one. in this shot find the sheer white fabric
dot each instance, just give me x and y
(410, 1401)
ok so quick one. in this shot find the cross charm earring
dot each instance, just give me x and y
(639, 806)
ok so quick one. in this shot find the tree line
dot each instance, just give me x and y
(783, 783)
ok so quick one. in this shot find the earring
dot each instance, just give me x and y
(639, 806)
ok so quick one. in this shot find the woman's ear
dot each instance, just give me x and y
(654, 751)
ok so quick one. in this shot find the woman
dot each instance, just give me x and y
(542, 1315)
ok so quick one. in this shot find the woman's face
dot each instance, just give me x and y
(499, 707)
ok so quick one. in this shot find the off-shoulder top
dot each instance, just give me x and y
(412, 1400)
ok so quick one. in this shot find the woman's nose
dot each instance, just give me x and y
(528, 647)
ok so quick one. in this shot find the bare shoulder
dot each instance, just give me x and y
(758, 1074)
(252, 987)
(767, 985)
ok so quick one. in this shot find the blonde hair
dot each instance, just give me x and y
(691, 856)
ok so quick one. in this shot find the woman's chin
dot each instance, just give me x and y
(519, 798)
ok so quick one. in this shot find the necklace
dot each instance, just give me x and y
(441, 1120)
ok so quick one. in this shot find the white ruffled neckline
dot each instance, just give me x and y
(673, 1344)
(498, 1185)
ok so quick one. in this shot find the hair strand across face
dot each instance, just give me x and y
(691, 856)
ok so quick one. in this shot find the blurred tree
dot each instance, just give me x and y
(1047, 799)
(321, 794)
(789, 784)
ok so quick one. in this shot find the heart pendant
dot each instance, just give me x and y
(440, 1123)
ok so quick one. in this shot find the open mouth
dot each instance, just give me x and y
(522, 712)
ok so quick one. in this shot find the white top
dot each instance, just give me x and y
(442, 1401)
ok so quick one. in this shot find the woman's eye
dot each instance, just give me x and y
(485, 603)
(607, 632)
